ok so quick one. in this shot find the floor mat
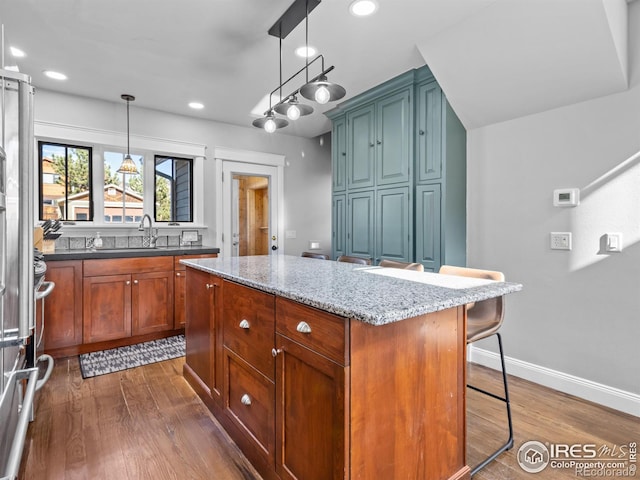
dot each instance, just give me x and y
(122, 358)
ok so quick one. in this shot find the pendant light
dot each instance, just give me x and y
(128, 166)
(319, 89)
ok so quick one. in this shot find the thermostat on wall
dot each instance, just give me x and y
(566, 197)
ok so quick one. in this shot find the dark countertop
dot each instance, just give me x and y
(85, 254)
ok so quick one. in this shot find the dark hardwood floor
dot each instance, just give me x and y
(146, 423)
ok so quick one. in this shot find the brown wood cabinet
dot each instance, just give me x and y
(348, 400)
(179, 288)
(127, 296)
(63, 306)
(204, 335)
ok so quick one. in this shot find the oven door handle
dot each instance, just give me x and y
(48, 287)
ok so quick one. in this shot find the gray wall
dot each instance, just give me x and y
(307, 175)
(579, 312)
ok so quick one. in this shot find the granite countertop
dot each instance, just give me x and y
(87, 254)
(371, 294)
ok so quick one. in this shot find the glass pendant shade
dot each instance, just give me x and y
(128, 166)
(322, 91)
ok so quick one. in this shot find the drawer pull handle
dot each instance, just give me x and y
(246, 400)
(275, 352)
(303, 327)
(177, 274)
(244, 324)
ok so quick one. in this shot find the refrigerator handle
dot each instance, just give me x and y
(25, 153)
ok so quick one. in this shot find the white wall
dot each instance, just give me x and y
(307, 175)
(579, 312)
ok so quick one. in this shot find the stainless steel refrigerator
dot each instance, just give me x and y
(18, 376)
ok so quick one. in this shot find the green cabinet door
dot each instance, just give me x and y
(338, 219)
(393, 138)
(360, 147)
(339, 154)
(429, 132)
(428, 226)
(393, 230)
(360, 226)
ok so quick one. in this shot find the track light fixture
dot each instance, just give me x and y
(318, 89)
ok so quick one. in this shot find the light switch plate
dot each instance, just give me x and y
(560, 240)
(613, 242)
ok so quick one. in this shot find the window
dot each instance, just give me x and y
(65, 182)
(173, 187)
(123, 193)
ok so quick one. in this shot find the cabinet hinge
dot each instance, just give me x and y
(223, 176)
(222, 238)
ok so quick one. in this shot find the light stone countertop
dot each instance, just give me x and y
(370, 294)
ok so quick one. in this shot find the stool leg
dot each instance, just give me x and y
(509, 443)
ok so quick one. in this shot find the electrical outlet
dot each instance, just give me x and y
(560, 240)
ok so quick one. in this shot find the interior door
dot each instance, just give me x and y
(249, 209)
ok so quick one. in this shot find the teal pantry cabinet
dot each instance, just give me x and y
(399, 174)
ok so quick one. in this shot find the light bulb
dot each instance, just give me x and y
(322, 95)
(293, 112)
(270, 125)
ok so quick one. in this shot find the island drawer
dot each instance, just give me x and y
(320, 331)
(249, 325)
(250, 402)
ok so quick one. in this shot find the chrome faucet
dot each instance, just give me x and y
(149, 239)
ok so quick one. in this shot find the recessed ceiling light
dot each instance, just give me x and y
(306, 52)
(17, 53)
(55, 75)
(363, 8)
(196, 105)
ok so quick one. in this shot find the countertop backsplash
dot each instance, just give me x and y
(133, 241)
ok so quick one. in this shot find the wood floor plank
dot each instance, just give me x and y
(147, 423)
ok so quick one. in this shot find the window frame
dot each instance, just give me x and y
(173, 158)
(67, 146)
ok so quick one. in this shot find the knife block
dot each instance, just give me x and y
(48, 246)
(38, 238)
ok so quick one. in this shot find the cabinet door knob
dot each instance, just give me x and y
(379, 142)
(372, 144)
(245, 399)
(344, 154)
(421, 132)
(275, 352)
(177, 274)
(135, 282)
(208, 286)
(244, 324)
(127, 282)
(303, 327)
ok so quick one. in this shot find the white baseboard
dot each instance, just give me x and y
(595, 392)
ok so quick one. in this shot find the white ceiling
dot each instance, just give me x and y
(495, 59)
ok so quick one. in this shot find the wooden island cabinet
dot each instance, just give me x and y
(330, 372)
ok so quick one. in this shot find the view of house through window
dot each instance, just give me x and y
(65, 182)
(173, 189)
(123, 193)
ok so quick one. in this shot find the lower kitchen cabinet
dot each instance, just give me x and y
(127, 296)
(63, 306)
(310, 414)
(179, 288)
(203, 334)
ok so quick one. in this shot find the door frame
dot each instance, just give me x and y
(249, 163)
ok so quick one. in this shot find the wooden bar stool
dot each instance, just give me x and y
(483, 320)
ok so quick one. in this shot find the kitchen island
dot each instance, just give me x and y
(319, 369)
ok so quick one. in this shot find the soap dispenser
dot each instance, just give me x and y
(97, 242)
